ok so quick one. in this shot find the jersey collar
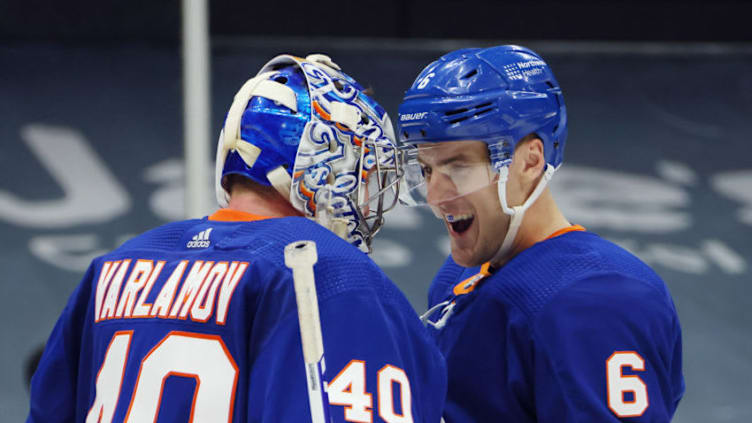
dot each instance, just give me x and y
(571, 228)
(468, 285)
(230, 215)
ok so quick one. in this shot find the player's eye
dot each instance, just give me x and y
(425, 171)
(459, 168)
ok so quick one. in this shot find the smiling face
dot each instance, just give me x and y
(461, 190)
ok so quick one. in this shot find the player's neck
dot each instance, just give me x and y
(542, 219)
(259, 204)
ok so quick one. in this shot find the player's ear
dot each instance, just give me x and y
(537, 160)
(530, 159)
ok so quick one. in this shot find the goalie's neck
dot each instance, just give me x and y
(261, 204)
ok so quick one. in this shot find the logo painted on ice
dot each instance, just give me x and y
(200, 240)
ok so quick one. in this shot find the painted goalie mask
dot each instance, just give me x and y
(307, 129)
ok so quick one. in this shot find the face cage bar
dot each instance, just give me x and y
(374, 221)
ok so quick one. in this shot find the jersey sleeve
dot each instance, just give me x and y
(54, 384)
(608, 350)
(378, 366)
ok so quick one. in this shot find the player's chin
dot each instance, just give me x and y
(464, 246)
(465, 257)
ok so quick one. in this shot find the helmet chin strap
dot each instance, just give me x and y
(517, 212)
(325, 212)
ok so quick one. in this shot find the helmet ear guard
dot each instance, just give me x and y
(306, 128)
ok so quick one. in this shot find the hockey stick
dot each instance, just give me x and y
(300, 256)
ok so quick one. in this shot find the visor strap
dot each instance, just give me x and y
(281, 181)
(256, 86)
(223, 197)
(235, 114)
(326, 215)
(345, 114)
(517, 213)
(323, 59)
(275, 91)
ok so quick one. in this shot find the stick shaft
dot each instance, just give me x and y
(300, 256)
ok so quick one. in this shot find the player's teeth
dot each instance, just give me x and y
(457, 217)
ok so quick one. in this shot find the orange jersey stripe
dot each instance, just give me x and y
(565, 230)
(470, 283)
(230, 215)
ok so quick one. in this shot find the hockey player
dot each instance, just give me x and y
(196, 320)
(539, 320)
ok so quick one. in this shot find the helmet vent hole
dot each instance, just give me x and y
(482, 109)
(550, 85)
(281, 79)
(364, 120)
(482, 112)
(406, 134)
(470, 74)
(338, 84)
(455, 112)
(458, 120)
(423, 133)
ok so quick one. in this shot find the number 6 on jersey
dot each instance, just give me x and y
(619, 384)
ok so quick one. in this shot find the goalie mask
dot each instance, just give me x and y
(307, 129)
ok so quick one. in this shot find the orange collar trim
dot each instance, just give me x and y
(565, 230)
(230, 215)
(470, 283)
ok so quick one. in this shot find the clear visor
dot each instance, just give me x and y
(442, 172)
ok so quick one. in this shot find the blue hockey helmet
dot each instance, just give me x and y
(497, 95)
(308, 129)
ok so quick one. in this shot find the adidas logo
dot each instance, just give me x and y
(200, 240)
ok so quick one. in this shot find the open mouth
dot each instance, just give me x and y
(460, 223)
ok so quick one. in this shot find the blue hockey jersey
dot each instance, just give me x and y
(572, 329)
(196, 321)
